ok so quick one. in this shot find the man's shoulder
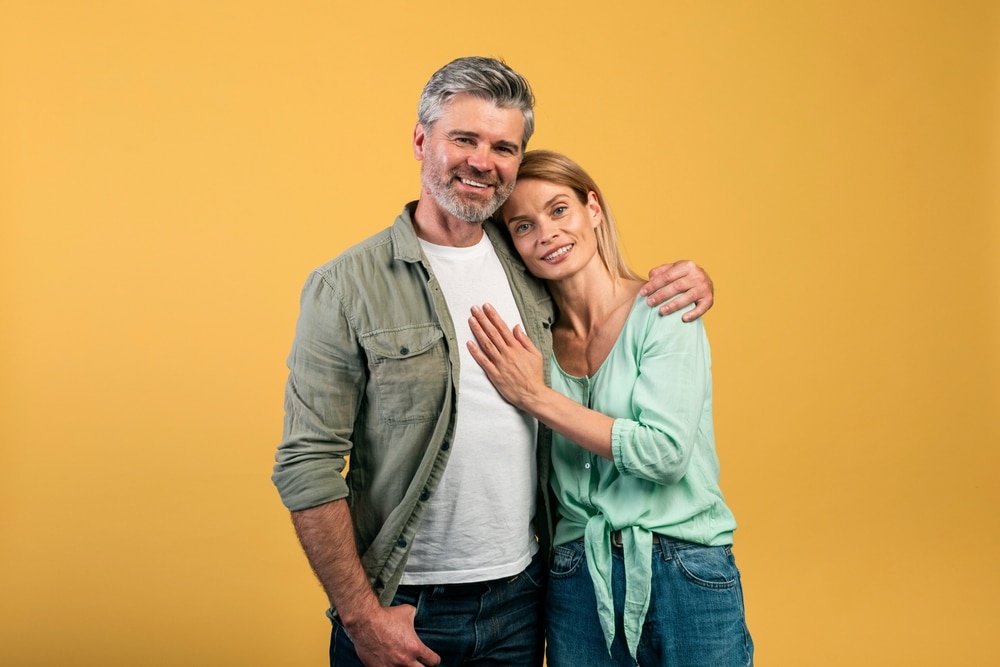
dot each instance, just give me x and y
(363, 251)
(395, 241)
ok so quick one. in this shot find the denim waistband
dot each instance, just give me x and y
(471, 588)
(616, 538)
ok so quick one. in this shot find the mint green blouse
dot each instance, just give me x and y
(657, 384)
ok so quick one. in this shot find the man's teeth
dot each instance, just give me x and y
(475, 184)
(558, 253)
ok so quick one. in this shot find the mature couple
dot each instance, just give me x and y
(531, 451)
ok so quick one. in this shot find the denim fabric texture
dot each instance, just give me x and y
(489, 624)
(696, 616)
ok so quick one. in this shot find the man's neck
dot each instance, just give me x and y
(436, 226)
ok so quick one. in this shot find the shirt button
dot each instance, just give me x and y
(587, 466)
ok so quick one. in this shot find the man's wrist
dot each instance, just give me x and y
(359, 613)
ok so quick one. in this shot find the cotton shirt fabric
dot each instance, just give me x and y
(473, 506)
(373, 373)
(656, 382)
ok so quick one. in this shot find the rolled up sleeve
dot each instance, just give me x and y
(668, 403)
(325, 383)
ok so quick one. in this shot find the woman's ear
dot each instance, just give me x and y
(594, 208)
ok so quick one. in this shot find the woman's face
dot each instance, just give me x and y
(552, 229)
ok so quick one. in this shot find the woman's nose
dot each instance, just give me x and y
(547, 231)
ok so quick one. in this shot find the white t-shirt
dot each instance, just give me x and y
(477, 525)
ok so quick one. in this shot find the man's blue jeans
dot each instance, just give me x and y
(695, 616)
(490, 624)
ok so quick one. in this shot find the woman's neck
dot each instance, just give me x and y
(586, 298)
(592, 310)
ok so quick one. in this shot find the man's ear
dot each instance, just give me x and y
(419, 136)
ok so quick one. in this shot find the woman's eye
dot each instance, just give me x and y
(559, 210)
(523, 227)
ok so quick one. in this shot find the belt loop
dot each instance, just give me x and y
(616, 538)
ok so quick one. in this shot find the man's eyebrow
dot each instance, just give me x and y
(513, 145)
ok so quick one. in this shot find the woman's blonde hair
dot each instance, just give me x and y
(557, 168)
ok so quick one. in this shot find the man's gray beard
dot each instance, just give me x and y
(470, 212)
(476, 213)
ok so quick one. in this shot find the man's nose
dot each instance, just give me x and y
(482, 158)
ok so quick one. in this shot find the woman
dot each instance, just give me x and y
(643, 571)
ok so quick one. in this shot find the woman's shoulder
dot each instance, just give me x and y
(645, 325)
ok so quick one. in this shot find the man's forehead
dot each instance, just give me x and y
(466, 114)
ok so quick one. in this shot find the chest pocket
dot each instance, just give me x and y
(409, 370)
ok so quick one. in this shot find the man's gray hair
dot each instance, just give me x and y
(486, 78)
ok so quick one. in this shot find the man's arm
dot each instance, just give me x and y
(324, 389)
(683, 279)
(381, 635)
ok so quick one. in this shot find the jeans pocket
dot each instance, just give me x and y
(709, 567)
(413, 596)
(534, 575)
(567, 559)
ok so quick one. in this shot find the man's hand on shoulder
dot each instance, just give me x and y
(386, 638)
(685, 280)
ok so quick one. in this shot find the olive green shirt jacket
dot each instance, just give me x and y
(374, 375)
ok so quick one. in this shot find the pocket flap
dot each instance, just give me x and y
(401, 343)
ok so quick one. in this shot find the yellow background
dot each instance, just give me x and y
(171, 170)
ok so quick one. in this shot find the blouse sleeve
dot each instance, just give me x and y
(671, 397)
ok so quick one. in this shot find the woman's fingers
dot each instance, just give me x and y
(492, 326)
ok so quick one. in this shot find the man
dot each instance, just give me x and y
(445, 508)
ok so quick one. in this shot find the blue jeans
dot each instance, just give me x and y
(695, 616)
(492, 623)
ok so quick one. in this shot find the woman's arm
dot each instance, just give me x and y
(668, 397)
(514, 366)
